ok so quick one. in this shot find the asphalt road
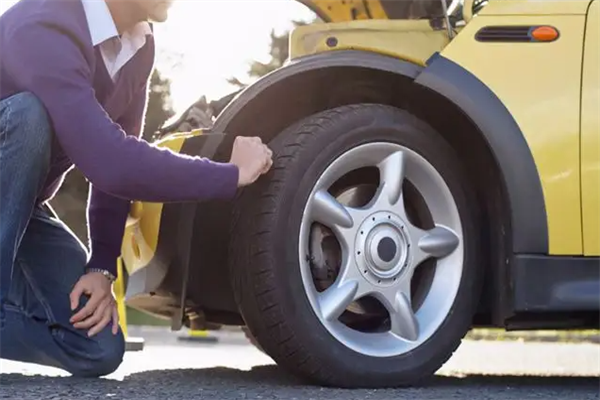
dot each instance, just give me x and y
(167, 369)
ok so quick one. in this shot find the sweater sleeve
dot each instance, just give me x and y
(48, 61)
(107, 214)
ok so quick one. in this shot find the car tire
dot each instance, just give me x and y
(250, 337)
(266, 267)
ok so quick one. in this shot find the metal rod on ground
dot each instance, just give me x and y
(447, 19)
(198, 336)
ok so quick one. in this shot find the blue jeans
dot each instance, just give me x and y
(40, 258)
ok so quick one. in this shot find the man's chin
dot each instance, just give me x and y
(160, 13)
(158, 17)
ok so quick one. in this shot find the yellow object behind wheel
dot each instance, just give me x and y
(119, 288)
(131, 344)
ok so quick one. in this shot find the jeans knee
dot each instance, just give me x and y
(24, 121)
(111, 356)
(104, 359)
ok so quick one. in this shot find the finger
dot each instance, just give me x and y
(240, 141)
(76, 294)
(115, 319)
(92, 319)
(267, 166)
(89, 308)
(106, 316)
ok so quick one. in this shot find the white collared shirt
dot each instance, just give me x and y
(115, 51)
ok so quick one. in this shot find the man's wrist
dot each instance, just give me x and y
(103, 259)
(107, 274)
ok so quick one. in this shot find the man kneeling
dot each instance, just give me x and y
(74, 80)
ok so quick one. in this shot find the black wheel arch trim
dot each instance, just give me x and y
(331, 59)
(508, 144)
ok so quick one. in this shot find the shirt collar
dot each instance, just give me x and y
(102, 26)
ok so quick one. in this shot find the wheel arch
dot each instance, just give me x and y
(507, 143)
(445, 95)
(443, 80)
(274, 91)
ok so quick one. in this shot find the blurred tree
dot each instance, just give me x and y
(71, 201)
(159, 108)
(202, 112)
(279, 52)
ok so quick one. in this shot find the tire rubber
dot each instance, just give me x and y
(264, 265)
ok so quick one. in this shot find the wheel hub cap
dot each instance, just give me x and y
(382, 248)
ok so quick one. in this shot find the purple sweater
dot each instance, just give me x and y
(47, 50)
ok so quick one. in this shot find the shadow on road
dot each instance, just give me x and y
(272, 383)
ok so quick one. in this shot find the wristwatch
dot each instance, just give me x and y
(104, 272)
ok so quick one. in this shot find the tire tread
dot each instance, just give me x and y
(254, 284)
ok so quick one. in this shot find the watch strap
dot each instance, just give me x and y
(104, 272)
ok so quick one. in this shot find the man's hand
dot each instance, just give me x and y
(100, 308)
(252, 157)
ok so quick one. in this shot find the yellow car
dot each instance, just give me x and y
(433, 172)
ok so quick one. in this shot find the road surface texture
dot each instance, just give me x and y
(170, 369)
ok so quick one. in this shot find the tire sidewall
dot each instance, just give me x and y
(352, 128)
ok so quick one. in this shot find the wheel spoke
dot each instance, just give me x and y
(439, 242)
(403, 319)
(328, 211)
(396, 301)
(337, 298)
(391, 172)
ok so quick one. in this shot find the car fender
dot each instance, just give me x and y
(472, 97)
(507, 143)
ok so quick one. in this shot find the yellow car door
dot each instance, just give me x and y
(590, 133)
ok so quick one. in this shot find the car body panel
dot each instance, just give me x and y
(535, 7)
(414, 41)
(357, 10)
(590, 134)
(506, 142)
(543, 95)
